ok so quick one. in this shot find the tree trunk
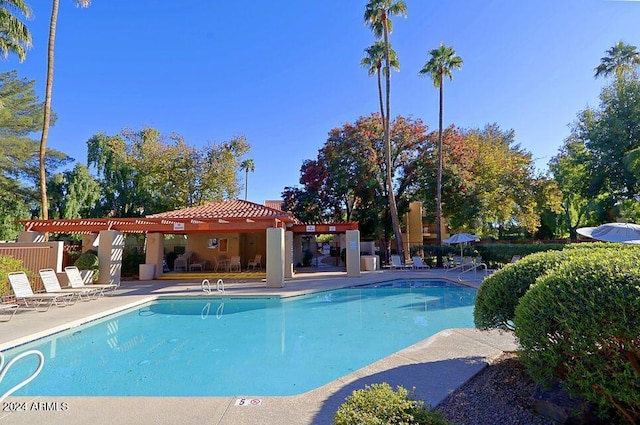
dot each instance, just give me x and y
(380, 98)
(439, 182)
(47, 111)
(387, 144)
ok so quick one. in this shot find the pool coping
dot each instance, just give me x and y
(432, 369)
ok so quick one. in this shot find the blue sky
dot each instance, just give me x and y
(283, 73)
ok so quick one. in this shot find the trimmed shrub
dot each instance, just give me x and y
(8, 264)
(380, 404)
(88, 260)
(500, 292)
(580, 325)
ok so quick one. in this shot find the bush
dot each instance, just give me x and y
(307, 256)
(580, 325)
(131, 260)
(500, 292)
(88, 260)
(501, 253)
(380, 404)
(8, 264)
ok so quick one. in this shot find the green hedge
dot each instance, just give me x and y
(500, 292)
(580, 324)
(380, 404)
(500, 253)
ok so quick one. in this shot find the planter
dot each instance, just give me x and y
(147, 271)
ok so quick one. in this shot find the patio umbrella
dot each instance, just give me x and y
(461, 238)
(613, 232)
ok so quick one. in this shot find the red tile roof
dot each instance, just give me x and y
(227, 209)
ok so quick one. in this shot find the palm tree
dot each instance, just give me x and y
(14, 34)
(376, 15)
(47, 102)
(373, 62)
(247, 165)
(443, 61)
(621, 58)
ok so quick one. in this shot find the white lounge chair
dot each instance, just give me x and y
(52, 286)
(256, 262)
(76, 281)
(8, 307)
(396, 263)
(418, 264)
(25, 295)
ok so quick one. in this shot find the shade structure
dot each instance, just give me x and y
(461, 238)
(613, 232)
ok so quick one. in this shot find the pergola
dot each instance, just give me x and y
(225, 217)
(179, 226)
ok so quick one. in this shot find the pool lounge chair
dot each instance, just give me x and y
(8, 307)
(25, 295)
(418, 264)
(396, 263)
(75, 281)
(52, 286)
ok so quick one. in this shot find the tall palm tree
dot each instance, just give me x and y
(47, 102)
(14, 34)
(373, 62)
(377, 15)
(443, 61)
(247, 165)
(621, 58)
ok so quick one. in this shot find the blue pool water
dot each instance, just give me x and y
(227, 346)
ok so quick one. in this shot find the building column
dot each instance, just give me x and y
(275, 257)
(297, 249)
(155, 252)
(110, 257)
(90, 241)
(288, 254)
(353, 253)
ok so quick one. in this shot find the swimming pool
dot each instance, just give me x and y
(234, 346)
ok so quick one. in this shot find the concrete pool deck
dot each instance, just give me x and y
(432, 368)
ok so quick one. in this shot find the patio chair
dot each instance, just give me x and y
(25, 295)
(75, 281)
(52, 286)
(182, 261)
(8, 307)
(256, 262)
(222, 262)
(418, 264)
(198, 265)
(396, 263)
(234, 263)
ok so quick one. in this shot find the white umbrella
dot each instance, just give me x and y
(613, 232)
(461, 238)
